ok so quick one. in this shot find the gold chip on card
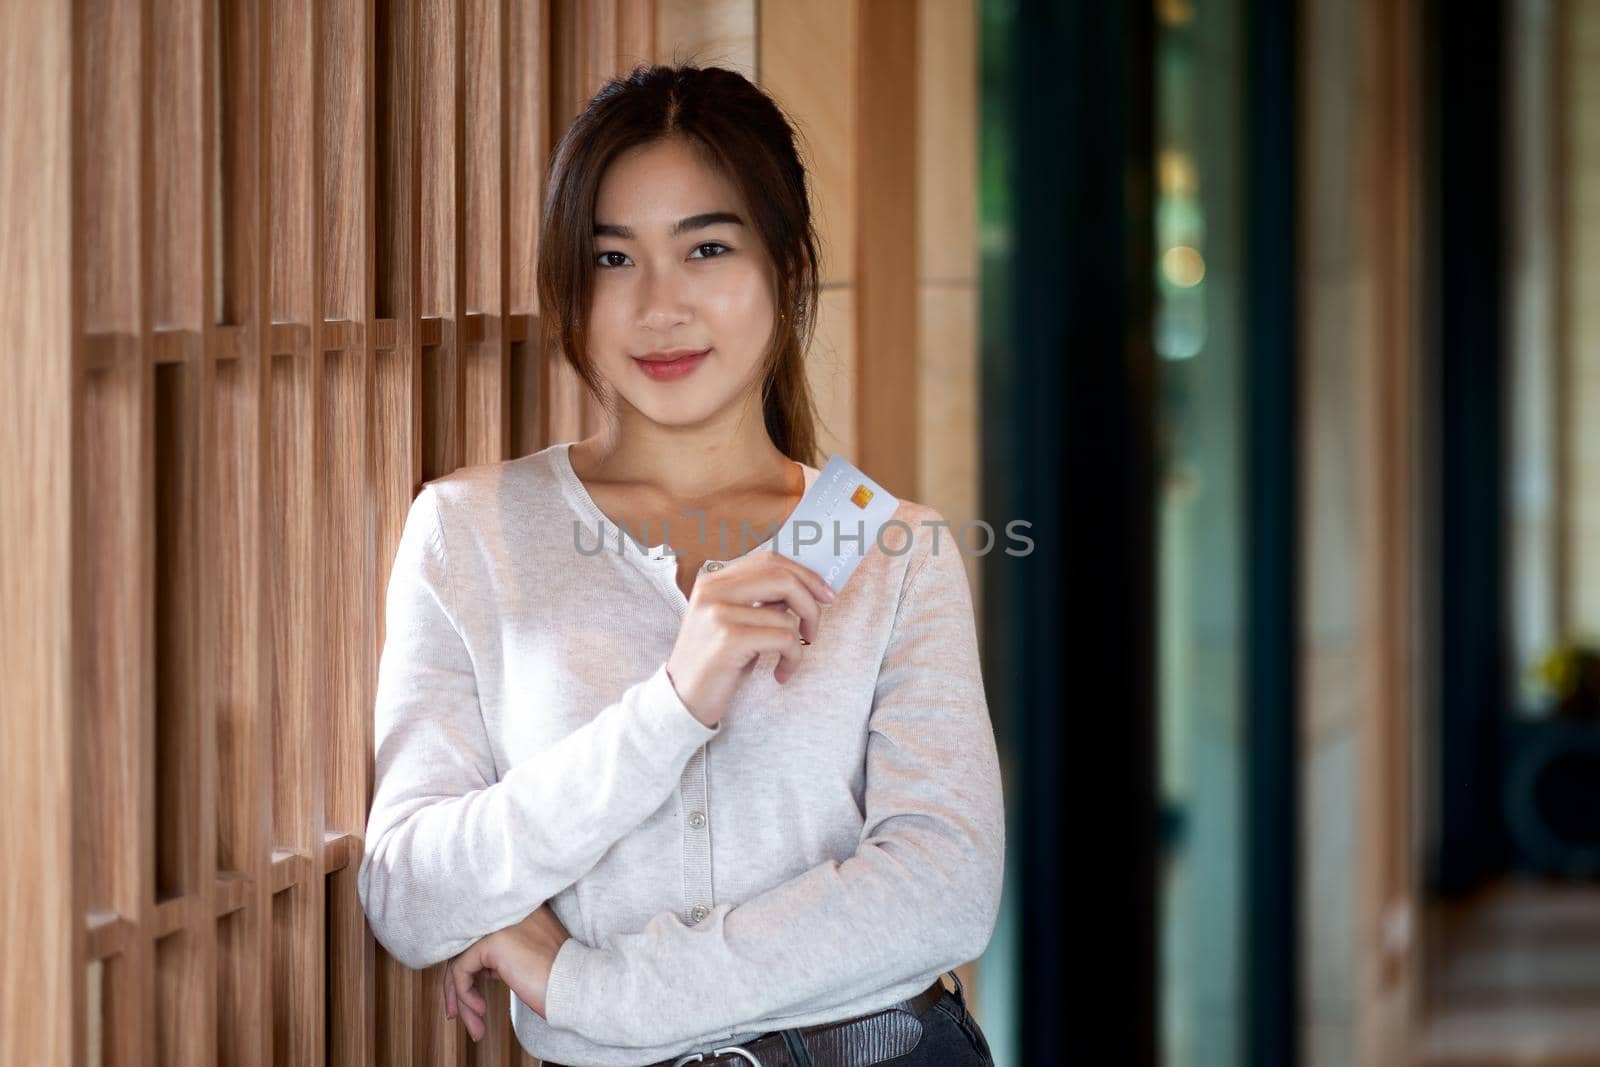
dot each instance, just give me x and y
(860, 497)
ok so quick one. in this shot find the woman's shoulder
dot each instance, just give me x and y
(916, 535)
(914, 530)
(524, 482)
(513, 508)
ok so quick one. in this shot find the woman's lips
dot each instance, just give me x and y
(671, 369)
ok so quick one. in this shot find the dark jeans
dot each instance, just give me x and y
(950, 1036)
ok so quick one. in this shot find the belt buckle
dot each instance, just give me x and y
(697, 1057)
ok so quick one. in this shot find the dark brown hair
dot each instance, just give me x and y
(743, 133)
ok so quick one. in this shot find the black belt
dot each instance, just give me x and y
(857, 1042)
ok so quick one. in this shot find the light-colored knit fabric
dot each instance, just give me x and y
(827, 850)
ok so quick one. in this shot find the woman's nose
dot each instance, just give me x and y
(662, 302)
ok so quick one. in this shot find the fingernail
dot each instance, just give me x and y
(828, 594)
(803, 641)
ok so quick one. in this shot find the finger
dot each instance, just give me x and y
(474, 1023)
(752, 631)
(475, 999)
(753, 640)
(814, 581)
(780, 578)
(461, 975)
(763, 616)
(788, 659)
(776, 611)
(778, 589)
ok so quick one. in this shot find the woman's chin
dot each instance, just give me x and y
(679, 412)
(696, 399)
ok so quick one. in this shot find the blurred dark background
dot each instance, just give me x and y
(1291, 345)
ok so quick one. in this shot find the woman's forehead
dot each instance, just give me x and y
(655, 186)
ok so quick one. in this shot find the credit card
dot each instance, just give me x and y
(836, 523)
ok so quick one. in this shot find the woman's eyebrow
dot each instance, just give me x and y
(693, 222)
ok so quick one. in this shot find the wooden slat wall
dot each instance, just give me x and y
(43, 983)
(946, 373)
(1577, 93)
(1362, 666)
(276, 261)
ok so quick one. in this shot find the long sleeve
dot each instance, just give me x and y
(451, 853)
(920, 894)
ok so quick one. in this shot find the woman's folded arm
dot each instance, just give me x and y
(451, 854)
(920, 894)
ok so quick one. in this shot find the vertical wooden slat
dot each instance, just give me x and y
(342, 205)
(483, 233)
(107, 65)
(597, 62)
(142, 426)
(345, 193)
(527, 137)
(714, 33)
(119, 489)
(397, 465)
(1558, 127)
(43, 1017)
(294, 450)
(528, 119)
(438, 148)
(947, 360)
(1385, 377)
(636, 35)
(809, 58)
(599, 46)
(886, 284)
(563, 401)
(456, 337)
(259, 930)
(233, 642)
(1577, 91)
(206, 607)
(316, 617)
(181, 302)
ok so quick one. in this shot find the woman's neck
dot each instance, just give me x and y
(688, 465)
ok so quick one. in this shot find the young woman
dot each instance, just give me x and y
(685, 801)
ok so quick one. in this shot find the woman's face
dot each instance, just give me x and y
(660, 290)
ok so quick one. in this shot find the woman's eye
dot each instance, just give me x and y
(719, 249)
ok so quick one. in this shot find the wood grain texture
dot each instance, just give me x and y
(947, 265)
(42, 918)
(1388, 403)
(1361, 408)
(278, 270)
(886, 264)
(563, 403)
(1578, 92)
(486, 357)
(709, 33)
(809, 58)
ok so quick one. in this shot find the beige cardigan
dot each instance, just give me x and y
(827, 850)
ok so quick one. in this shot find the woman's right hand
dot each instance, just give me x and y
(760, 602)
